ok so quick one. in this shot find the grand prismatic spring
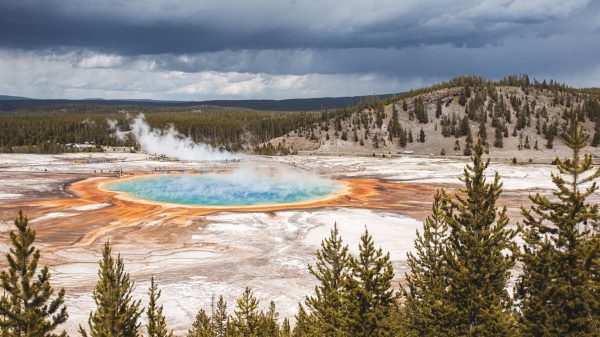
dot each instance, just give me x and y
(225, 190)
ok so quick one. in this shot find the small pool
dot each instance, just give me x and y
(225, 189)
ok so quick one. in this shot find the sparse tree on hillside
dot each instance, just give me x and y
(462, 99)
(468, 143)
(402, 139)
(26, 305)
(420, 111)
(498, 139)
(422, 136)
(482, 131)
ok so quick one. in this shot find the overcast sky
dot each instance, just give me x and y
(232, 49)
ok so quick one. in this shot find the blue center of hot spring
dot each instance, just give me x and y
(225, 189)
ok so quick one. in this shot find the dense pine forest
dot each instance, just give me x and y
(515, 113)
(54, 129)
(462, 279)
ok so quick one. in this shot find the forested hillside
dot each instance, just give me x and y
(511, 115)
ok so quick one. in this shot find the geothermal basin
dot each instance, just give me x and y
(184, 224)
(225, 189)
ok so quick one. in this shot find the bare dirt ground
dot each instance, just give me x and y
(197, 254)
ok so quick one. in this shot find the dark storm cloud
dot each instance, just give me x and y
(191, 49)
(152, 27)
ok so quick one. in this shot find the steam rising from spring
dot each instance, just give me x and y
(169, 142)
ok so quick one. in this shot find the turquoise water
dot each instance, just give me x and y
(224, 189)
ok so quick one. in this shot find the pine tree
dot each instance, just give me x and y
(438, 108)
(247, 314)
(422, 136)
(202, 326)
(596, 139)
(156, 326)
(468, 143)
(116, 314)
(425, 292)
(402, 139)
(26, 306)
(498, 139)
(286, 330)
(464, 126)
(559, 287)
(373, 300)
(268, 322)
(462, 99)
(482, 130)
(219, 318)
(478, 269)
(332, 271)
(305, 325)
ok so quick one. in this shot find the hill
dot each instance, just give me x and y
(515, 117)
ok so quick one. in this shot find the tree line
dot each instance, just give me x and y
(458, 282)
(55, 130)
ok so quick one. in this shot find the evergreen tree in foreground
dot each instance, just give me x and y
(202, 326)
(478, 267)
(26, 306)
(116, 314)
(304, 324)
(373, 302)
(426, 312)
(560, 285)
(219, 319)
(246, 314)
(156, 326)
(332, 271)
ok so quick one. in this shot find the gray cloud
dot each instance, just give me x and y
(189, 49)
(189, 26)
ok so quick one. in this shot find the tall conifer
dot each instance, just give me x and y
(373, 300)
(156, 326)
(117, 314)
(219, 318)
(202, 326)
(247, 314)
(425, 292)
(332, 271)
(480, 256)
(26, 306)
(560, 288)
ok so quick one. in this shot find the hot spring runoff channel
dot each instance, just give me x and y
(225, 189)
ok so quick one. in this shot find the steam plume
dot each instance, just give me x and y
(170, 142)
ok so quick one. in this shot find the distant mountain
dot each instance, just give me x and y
(296, 104)
(8, 98)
